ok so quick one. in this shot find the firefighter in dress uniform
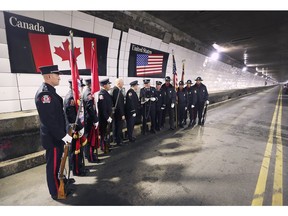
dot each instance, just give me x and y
(76, 150)
(91, 121)
(131, 109)
(53, 133)
(202, 98)
(182, 103)
(160, 105)
(105, 104)
(148, 101)
(170, 100)
(192, 97)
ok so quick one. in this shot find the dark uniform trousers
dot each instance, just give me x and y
(119, 112)
(76, 160)
(192, 99)
(202, 96)
(90, 118)
(170, 97)
(131, 107)
(148, 108)
(52, 129)
(160, 106)
(182, 104)
(105, 104)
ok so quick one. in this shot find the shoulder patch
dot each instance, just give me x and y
(101, 97)
(72, 102)
(46, 99)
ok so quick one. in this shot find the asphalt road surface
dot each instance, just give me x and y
(239, 158)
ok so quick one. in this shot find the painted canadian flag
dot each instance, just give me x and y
(54, 50)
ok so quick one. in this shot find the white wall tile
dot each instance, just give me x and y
(102, 30)
(113, 44)
(9, 93)
(9, 106)
(3, 38)
(81, 24)
(28, 92)
(145, 42)
(5, 65)
(4, 51)
(124, 36)
(28, 104)
(105, 23)
(112, 53)
(135, 33)
(2, 22)
(28, 80)
(8, 80)
(116, 34)
(133, 39)
(112, 62)
(59, 18)
(83, 16)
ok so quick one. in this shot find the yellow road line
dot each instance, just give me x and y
(262, 179)
(277, 198)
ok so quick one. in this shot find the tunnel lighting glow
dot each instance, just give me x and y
(215, 56)
(218, 48)
(244, 69)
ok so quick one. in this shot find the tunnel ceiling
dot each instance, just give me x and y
(262, 35)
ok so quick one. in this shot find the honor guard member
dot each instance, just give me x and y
(52, 125)
(105, 104)
(170, 100)
(76, 150)
(131, 109)
(148, 101)
(160, 105)
(119, 115)
(182, 103)
(192, 97)
(91, 121)
(202, 97)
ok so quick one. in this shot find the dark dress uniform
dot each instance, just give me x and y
(202, 97)
(160, 106)
(119, 112)
(169, 97)
(105, 104)
(148, 107)
(182, 104)
(90, 119)
(76, 160)
(52, 129)
(192, 99)
(131, 110)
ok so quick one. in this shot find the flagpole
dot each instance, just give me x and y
(183, 71)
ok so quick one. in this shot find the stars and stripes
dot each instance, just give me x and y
(149, 64)
(175, 77)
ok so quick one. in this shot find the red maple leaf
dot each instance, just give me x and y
(65, 53)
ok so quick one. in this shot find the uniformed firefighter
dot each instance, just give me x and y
(160, 105)
(91, 122)
(192, 97)
(105, 104)
(202, 98)
(52, 125)
(182, 103)
(119, 115)
(170, 100)
(76, 148)
(148, 105)
(131, 109)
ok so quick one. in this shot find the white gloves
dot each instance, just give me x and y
(96, 125)
(134, 115)
(185, 108)
(123, 117)
(81, 132)
(109, 120)
(207, 102)
(162, 108)
(67, 138)
(153, 99)
(147, 99)
(172, 105)
(192, 106)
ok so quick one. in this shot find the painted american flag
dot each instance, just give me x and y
(149, 64)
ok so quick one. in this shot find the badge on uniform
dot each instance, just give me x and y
(101, 97)
(130, 94)
(72, 103)
(46, 99)
(195, 92)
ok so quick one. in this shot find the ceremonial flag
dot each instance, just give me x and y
(175, 77)
(182, 77)
(94, 69)
(149, 64)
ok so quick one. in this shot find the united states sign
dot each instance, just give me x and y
(147, 62)
(33, 43)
